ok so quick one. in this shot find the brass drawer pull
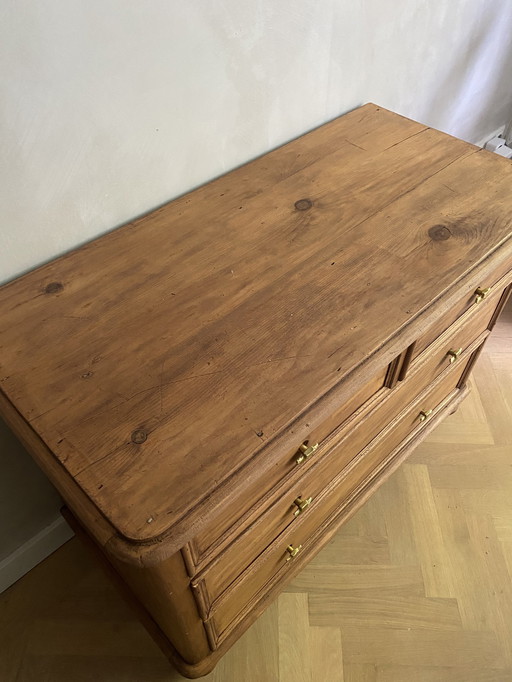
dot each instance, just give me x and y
(301, 505)
(425, 415)
(293, 551)
(306, 451)
(454, 354)
(480, 294)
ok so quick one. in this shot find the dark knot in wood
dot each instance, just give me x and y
(139, 436)
(303, 204)
(53, 288)
(439, 233)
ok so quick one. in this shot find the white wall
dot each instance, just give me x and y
(111, 107)
(30, 525)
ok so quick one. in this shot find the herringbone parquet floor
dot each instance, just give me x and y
(417, 587)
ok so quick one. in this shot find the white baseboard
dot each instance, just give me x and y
(13, 567)
(488, 137)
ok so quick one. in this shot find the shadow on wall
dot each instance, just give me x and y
(28, 502)
(475, 80)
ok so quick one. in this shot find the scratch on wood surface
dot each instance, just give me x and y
(175, 381)
(355, 145)
(451, 190)
(289, 357)
(404, 139)
(162, 370)
(74, 317)
(335, 351)
(96, 461)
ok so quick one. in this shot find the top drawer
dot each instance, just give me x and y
(473, 300)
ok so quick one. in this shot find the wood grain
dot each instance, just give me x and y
(93, 635)
(166, 374)
(178, 326)
(68, 588)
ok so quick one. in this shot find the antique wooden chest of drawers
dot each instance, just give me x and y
(215, 387)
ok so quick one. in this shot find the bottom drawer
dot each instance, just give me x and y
(273, 562)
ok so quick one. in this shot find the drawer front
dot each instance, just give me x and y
(203, 542)
(352, 478)
(471, 302)
(451, 344)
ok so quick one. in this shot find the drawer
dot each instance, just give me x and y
(273, 563)
(365, 425)
(207, 538)
(450, 345)
(471, 302)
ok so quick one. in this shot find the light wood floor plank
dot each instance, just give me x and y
(399, 527)
(294, 653)
(326, 659)
(407, 674)
(395, 611)
(467, 477)
(359, 580)
(387, 646)
(255, 656)
(360, 673)
(466, 563)
(497, 409)
(434, 560)
(438, 454)
(496, 587)
(353, 549)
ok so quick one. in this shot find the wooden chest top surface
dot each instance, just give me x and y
(157, 361)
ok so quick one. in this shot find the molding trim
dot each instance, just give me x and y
(496, 133)
(32, 552)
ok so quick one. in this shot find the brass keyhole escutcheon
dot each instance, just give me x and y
(305, 452)
(293, 551)
(301, 505)
(425, 415)
(480, 294)
(454, 354)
